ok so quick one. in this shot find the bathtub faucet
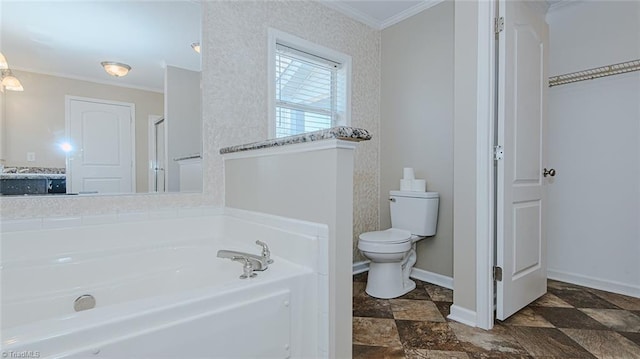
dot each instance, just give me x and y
(257, 262)
(266, 254)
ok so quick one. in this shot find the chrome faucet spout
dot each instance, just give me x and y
(257, 262)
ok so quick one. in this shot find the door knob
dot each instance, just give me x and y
(549, 172)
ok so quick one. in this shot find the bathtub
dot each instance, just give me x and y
(160, 291)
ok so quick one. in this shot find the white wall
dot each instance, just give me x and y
(464, 158)
(594, 144)
(35, 119)
(183, 117)
(303, 182)
(416, 120)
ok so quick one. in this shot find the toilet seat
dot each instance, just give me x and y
(392, 240)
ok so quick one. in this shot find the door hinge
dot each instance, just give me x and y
(498, 152)
(497, 273)
(498, 25)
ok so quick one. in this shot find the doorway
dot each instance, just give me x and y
(100, 134)
(157, 154)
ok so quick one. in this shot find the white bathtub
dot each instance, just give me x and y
(161, 294)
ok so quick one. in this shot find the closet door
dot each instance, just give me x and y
(522, 84)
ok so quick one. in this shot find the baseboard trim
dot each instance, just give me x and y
(462, 315)
(433, 278)
(596, 283)
(360, 267)
(416, 273)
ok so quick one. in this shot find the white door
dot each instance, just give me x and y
(522, 84)
(101, 135)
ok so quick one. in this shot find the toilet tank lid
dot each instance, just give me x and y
(414, 194)
(391, 235)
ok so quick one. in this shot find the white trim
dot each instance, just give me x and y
(360, 267)
(349, 11)
(90, 79)
(433, 278)
(593, 282)
(376, 23)
(416, 273)
(462, 315)
(277, 36)
(292, 148)
(408, 13)
(484, 161)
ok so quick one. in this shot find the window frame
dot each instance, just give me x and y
(280, 37)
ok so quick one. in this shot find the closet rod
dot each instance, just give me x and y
(594, 73)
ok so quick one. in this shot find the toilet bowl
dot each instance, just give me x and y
(392, 252)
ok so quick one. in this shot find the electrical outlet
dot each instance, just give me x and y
(31, 156)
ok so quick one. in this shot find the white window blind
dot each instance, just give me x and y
(306, 92)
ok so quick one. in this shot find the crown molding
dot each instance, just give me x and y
(373, 22)
(352, 13)
(409, 12)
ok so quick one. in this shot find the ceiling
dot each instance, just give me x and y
(71, 38)
(381, 13)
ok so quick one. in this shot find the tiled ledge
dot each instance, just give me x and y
(339, 133)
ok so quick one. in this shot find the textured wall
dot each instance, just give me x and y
(235, 103)
(235, 84)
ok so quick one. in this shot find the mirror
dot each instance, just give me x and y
(73, 119)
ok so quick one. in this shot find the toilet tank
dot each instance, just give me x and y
(416, 212)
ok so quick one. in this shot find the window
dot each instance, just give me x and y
(309, 89)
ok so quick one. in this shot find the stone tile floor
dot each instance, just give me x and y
(568, 322)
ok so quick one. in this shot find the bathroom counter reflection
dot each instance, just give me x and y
(34, 123)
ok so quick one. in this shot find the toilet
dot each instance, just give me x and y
(414, 216)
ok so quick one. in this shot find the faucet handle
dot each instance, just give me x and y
(247, 268)
(266, 253)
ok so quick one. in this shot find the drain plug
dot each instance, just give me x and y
(84, 302)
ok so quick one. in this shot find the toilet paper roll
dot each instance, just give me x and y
(406, 184)
(408, 173)
(419, 185)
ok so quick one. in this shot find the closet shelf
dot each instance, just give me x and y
(594, 73)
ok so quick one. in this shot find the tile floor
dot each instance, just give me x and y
(568, 322)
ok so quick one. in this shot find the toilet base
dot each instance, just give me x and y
(385, 281)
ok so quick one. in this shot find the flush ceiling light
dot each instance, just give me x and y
(7, 80)
(10, 82)
(115, 68)
(3, 62)
(196, 47)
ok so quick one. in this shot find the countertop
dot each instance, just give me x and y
(339, 133)
(33, 176)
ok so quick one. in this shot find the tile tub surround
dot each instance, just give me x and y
(597, 325)
(339, 133)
